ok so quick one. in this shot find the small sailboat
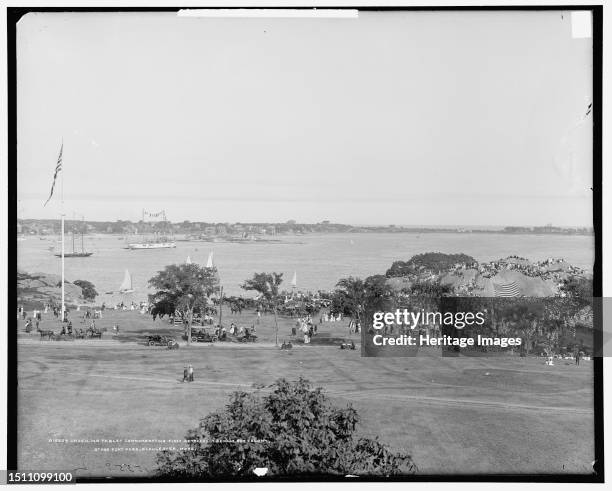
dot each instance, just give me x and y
(188, 260)
(209, 263)
(294, 280)
(126, 285)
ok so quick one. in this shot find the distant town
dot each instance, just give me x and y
(198, 230)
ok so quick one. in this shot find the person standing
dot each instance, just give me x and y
(190, 371)
(577, 357)
(185, 374)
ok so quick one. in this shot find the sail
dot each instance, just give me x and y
(294, 280)
(188, 261)
(127, 282)
(209, 263)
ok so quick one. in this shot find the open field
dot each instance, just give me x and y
(454, 415)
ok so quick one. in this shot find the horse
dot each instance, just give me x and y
(95, 333)
(44, 333)
(235, 309)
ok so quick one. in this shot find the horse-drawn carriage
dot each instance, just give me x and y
(248, 337)
(158, 340)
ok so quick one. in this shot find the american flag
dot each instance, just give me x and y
(58, 167)
(507, 290)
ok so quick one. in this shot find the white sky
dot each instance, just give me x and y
(436, 118)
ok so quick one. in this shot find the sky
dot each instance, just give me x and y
(429, 118)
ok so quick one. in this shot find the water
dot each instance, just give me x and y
(320, 260)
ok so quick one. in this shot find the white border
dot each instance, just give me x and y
(606, 220)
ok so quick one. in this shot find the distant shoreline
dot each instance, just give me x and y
(276, 232)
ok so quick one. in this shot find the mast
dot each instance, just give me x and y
(62, 211)
(221, 307)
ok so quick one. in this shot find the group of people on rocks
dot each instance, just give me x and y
(540, 269)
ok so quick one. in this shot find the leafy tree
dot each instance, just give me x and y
(379, 296)
(579, 290)
(432, 262)
(267, 285)
(294, 430)
(88, 288)
(349, 297)
(378, 292)
(183, 288)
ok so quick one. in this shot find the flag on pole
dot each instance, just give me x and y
(58, 167)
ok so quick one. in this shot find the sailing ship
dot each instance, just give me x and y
(126, 284)
(159, 240)
(75, 253)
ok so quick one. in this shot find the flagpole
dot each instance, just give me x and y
(62, 210)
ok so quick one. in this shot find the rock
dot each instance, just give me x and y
(31, 284)
(44, 287)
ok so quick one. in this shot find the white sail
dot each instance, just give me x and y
(294, 280)
(126, 285)
(188, 261)
(209, 263)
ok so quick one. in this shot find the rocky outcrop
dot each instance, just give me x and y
(44, 288)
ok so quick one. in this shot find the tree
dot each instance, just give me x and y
(432, 262)
(293, 430)
(379, 296)
(578, 291)
(88, 288)
(349, 297)
(267, 285)
(183, 288)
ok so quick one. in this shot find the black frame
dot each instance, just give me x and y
(13, 16)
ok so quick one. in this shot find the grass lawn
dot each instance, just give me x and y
(454, 415)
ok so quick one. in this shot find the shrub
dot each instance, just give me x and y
(89, 290)
(294, 430)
